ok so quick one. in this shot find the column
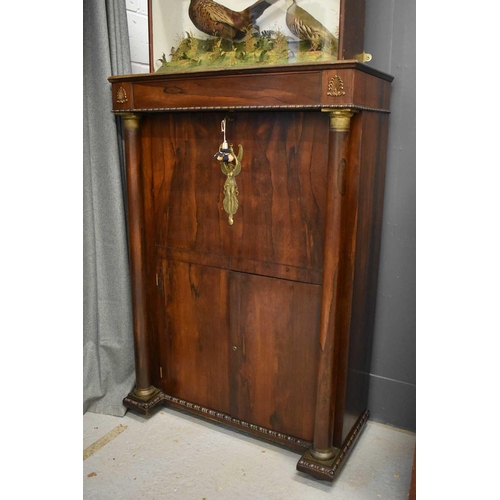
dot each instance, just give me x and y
(340, 120)
(143, 390)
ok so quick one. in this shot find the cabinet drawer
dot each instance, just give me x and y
(237, 90)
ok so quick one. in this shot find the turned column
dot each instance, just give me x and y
(143, 390)
(322, 448)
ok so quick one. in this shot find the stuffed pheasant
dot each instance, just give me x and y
(213, 18)
(306, 27)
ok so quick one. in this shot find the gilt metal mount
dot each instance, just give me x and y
(363, 57)
(231, 170)
(335, 87)
(121, 96)
(231, 167)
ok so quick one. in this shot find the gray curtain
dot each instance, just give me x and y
(108, 364)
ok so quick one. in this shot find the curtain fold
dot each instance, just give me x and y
(108, 364)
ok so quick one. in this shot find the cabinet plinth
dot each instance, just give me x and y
(263, 325)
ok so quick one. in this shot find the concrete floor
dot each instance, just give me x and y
(176, 456)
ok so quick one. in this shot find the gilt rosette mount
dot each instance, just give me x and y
(230, 164)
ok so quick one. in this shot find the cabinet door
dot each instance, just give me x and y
(278, 229)
(242, 344)
(194, 336)
(274, 327)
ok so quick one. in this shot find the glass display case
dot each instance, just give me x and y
(190, 35)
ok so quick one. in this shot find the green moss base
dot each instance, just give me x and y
(255, 50)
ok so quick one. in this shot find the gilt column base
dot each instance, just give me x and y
(144, 402)
(327, 469)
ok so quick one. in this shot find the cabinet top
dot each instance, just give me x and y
(295, 68)
(338, 84)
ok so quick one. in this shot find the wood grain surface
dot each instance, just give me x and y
(195, 341)
(281, 190)
(274, 334)
(367, 155)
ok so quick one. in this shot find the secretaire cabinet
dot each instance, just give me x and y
(254, 204)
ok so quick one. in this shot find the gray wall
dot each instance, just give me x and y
(390, 35)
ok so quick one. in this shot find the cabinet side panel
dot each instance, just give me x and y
(274, 334)
(195, 334)
(371, 191)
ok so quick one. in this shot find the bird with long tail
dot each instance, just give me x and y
(213, 18)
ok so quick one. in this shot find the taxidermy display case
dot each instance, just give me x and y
(256, 153)
(199, 34)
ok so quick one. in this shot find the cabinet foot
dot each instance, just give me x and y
(144, 404)
(326, 469)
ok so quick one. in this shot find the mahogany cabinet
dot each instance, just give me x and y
(263, 325)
